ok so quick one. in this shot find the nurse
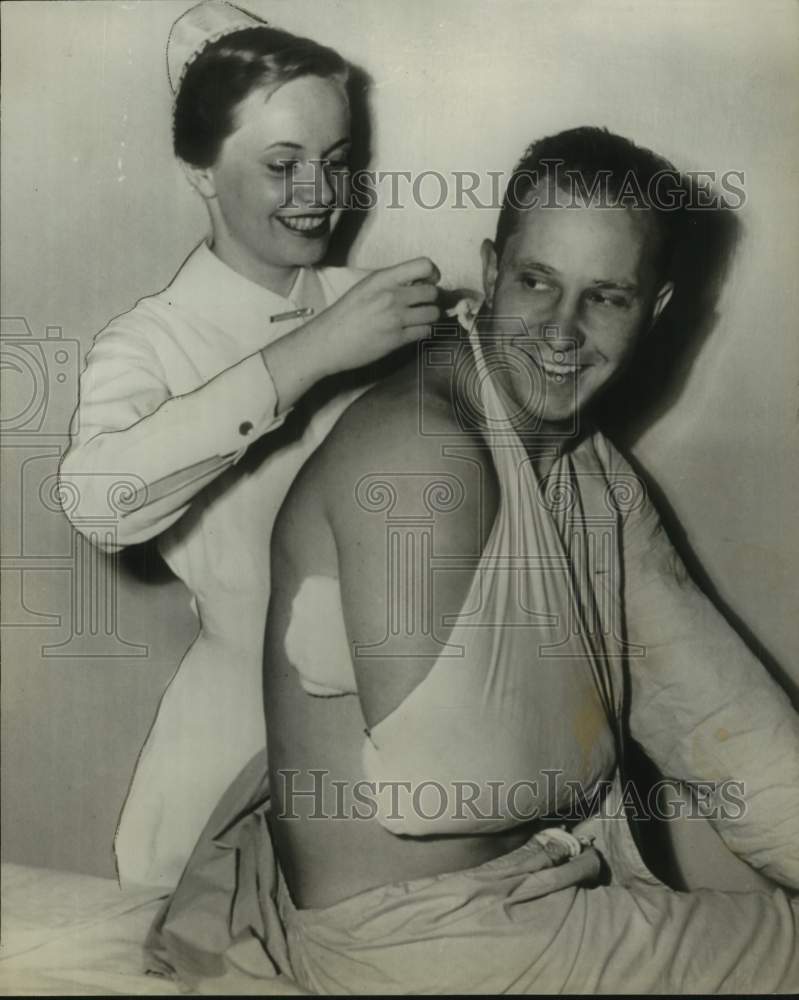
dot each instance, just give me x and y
(190, 400)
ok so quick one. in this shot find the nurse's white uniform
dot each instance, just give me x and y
(173, 394)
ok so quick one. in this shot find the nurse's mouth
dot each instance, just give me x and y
(310, 226)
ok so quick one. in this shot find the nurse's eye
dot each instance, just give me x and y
(336, 166)
(282, 168)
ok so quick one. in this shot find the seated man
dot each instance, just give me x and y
(473, 603)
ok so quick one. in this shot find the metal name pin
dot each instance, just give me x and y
(293, 314)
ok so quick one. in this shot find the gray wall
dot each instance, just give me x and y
(96, 214)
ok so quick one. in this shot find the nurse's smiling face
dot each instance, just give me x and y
(273, 189)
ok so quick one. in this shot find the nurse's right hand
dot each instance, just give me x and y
(384, 311)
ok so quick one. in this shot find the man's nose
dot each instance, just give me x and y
(562, 330)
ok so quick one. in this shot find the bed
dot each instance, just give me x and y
(76, 935)
(66, 934)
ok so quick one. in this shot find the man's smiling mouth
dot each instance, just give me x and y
(560, 372)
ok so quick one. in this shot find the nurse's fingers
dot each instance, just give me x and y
(417, 294)
(420, 316)
(418, 269)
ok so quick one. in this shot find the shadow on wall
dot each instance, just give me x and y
(657, 375)
(650, 386)
(359, 91)
(705, 245)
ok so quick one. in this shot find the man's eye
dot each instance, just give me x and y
(607, 300)
(534, 283)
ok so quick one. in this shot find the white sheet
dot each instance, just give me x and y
(75, 935)
(65, 934)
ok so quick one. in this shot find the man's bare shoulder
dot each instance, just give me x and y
(392, 418)
(391, 440)
(395, 429)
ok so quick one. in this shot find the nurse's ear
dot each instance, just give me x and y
(662, 299)
(200, 178)
(488, 255)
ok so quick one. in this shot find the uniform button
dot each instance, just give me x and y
(245, 428)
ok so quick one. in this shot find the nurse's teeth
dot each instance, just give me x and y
(302, 223)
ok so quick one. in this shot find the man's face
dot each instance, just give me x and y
(582, 279)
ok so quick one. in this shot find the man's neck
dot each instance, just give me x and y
(543, 442)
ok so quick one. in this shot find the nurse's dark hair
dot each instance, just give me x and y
(227, 71)
(592, 165)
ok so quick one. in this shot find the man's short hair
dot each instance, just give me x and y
(591, 165)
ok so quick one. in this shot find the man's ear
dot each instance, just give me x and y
(662, 299)
(488, 255)
(200, 178)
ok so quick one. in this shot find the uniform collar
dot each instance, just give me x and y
(209, 288)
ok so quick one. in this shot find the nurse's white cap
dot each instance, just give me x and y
(197, 28)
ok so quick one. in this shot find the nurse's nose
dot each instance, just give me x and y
(310, 186)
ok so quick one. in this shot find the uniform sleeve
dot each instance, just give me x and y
(138, 453)
(705, 709)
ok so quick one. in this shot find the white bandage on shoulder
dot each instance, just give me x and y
(316, 641)
(465, 311)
